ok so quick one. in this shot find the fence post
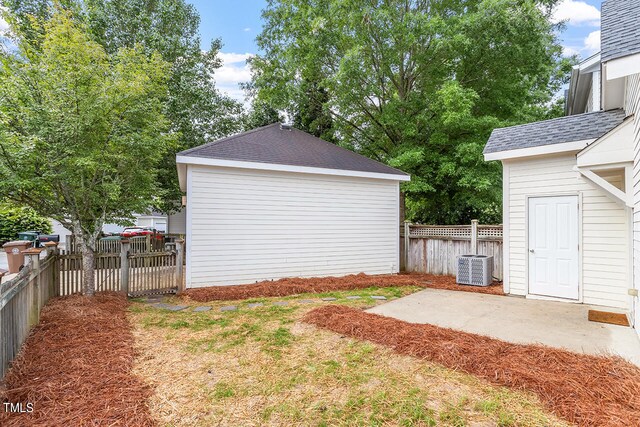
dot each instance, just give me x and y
(52, 250)
(124, 266)
(474, 237)
(34, 283)
(407, 267)
(179, 265)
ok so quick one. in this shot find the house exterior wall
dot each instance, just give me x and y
(632, 106)
(604, 250)
(246, 225)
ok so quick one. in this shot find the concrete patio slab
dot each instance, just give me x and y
(517, 320)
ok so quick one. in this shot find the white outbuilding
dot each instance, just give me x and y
(276, 202)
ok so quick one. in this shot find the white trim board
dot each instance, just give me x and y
(506, 230)
(202, 161)
(540, 150)
(623, 67)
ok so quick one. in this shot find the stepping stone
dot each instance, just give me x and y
(171, 307)
(306, 301)
(280, 303)
(329, 299)
(201, 308)
(255, 304)
(354, 297)
(228, 308)
(380, 297)
(162, 305)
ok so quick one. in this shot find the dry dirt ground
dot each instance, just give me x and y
(261, 365)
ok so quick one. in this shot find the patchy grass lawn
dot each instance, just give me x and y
(261, 366)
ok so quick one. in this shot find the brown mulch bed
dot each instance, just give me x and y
(583, 389)
(76, 368)
(294, 286)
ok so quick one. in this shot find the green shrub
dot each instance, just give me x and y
(16, 219)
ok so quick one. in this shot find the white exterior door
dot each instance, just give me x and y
(553, 246)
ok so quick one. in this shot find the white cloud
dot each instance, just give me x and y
(592, 42)
(576, 13)
(234, 71)
(246, 30)
(570, 51)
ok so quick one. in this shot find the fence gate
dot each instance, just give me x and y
(152, 273)
(137, 273)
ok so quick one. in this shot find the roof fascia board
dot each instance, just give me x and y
(591, 64)
(203, 161)
(623, 67)
(539, 151)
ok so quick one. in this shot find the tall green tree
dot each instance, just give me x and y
(418, 84)
(81, 130)
(196, 110)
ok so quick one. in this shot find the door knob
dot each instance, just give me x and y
(531, 250)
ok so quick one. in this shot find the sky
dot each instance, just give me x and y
(238, 23)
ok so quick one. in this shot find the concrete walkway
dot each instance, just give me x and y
(516, 320)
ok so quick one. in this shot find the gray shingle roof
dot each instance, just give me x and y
(271, 144)
(620, 28)
(555, 131)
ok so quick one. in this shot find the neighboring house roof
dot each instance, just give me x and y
(287, 146)
(555, 131)
(620, 32)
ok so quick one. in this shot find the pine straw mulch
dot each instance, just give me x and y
(297, 285)
(583, 389)
(76, 368)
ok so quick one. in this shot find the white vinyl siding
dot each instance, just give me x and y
(604, 228)
(247, 225)
(632, 106)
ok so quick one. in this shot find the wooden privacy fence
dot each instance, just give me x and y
(434, 248)
(21, 300)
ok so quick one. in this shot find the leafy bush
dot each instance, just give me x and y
(16, 219)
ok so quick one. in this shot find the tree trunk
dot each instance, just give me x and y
(87, 249)
(88, 271)
(87, 241)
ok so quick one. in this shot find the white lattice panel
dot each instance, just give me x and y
(451, 232)
(490, 232)
(455, 232)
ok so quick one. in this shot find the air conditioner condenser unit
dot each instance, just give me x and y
(476, 270)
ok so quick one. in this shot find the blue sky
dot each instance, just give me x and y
(238, 22)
